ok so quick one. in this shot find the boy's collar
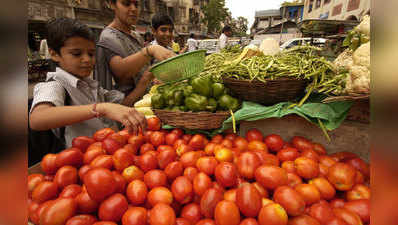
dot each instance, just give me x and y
(65, 76)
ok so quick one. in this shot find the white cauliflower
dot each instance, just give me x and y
(269, 46)
(364, 26)
(361, 56)
(344, 61)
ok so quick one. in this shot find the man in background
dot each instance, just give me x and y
(192, 43)
(223, 40)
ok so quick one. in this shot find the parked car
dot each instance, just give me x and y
(320, 42)
(211, 44)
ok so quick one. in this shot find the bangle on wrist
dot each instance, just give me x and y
(146, 53)
(95, 112)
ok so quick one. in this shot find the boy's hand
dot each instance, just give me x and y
(160, 53)
(128, 116)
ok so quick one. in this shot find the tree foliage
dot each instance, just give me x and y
(215, 13)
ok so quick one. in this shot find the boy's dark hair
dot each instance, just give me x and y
(61, 29)
(192, 35)
(226, 29)
(160, 20)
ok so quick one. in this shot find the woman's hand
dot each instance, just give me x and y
(128, 116)
(160, 53)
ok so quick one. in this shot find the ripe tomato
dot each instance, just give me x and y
(146, 148)
(306, 167)
(122, 159)
(132, 173)
(327, 160)
(249, 221)
(226, 213)
(82, 142)
(147, 135)
(187, 137)
(137, 140)
(157, 138)
(240, 143)
(247, 164)
(111, 145)
(91, 154)
(209, 200)
(33, 181)
(224, 155)
(136, 192)
(121, 137)
(288, 154)
(342, 176)
(85, 204)
(105, 223)
(100, 135)
(71, 191)
(81, 220)
(65, 176)
(201, 183)
(359, 178)
(182, 189)
(102, 161)
(272, 214)
(206, 222)
(174, 170)
(248, 200)
(217, 139)
(58, 212)
(303, 220)
(257, 145)
(207, 165)
(48, 164)
(155, 178)
(301, 143)
(147, 162)
(69, 157)
(100, 183)
(191, 212)
(322, 212)
(153, 123)
(336, 221)
(337, 203)
(343, 156)
(361, 208)
(318, 148)
(309, 192)
(32, 212)
(359, 191)
(189, 159)
(226, 174)
(293, 180)
(162, 214)
(323, 170)
(289, 166)
(113, 208)
(94, 145)
(160, 195)
(135, 216)
(171, 138)
(290, 200)
(261, 190)
(325, 188)
(82, 171)
(311, 154)
(271, 177)
(274, 142)
(177, 131)
(182, 221)
(197, 142)
(190, 173)
(230, 195)
(254, 134)
(360, 165)
(183, 148)
(166, 156)
(351, 218)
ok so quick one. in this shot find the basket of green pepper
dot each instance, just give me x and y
(197, 103)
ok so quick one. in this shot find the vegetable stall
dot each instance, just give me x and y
(267, 139)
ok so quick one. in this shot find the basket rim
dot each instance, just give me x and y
(267, 79)
(193, 113)
(174, 58)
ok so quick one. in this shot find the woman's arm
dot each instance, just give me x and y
(139, 90)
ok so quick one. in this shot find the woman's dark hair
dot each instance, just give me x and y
(61, 29)
(226, 29)
(160, 20)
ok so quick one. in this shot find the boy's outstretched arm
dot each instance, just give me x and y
(139, 89)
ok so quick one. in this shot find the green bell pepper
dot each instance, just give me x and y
(188, 90)
(178, 97)
(183, 108)
(157, 101)
(202, 86)
(218, 89)
(211, 105)
(227, 102)
(175, 108)
(196, 102)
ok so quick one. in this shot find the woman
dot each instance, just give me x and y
(121, 55)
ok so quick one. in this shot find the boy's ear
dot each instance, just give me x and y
(153, 31)
(54, 55)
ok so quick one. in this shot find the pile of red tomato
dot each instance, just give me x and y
(166, 177)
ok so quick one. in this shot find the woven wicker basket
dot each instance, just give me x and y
(192, 120)
(268, 93)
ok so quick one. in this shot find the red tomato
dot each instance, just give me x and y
(153, 123)
(224, 155)
(293, 180)
(122, 159)
(323, 170)
(274, 142)
(58, 212)
(337, 203)
(102, 161)
(318, 148)
(343, 156)
(178, 131)
(71, 191)
(120, 182)
(201, 183)
(351, 218)
(322, 212)
(191, 212)
(113, 208)
(361, 208)
(249, 221)
(111, 145)
(182, 149)
(166, 156)
(137, 140)
(85, 204)
(32, 212)
(157, 138)
(289, 166)
(48, 164)
(81, 220)
(290, 200)
(135, 216)
(240, 143)
(33, 181)
(160, 195)
(209, 200)
(182, 189)
(257, 145)
(136, 192)
(288, 154)
(100, 183)
(94, 145)
(174, 170)
(272, 214)
(146, 148)
(155, 178)
(207, 165)
(301, 143)
(271, 177)
(105, 223)
(147, 162)
(82, 171)
(327, 160)
(325, 188)
(178, 142)
(247, 164)
(217, 139)
(183, 221)
(261, 190)
(147, 135)
(190, 172)
(121, 137)
(162, 214)
(82, 142)
(226, 174)
(69, 157)
(248, 200)
(230, 195)
(171, 138)
(45, 191)
(309, 192)
(303, 220)
(336, 221)
(197, 142)
(206, 222)
(132, 173)
(91, 154)
(359, 191)
(100, 135)
(342, 176)
(360, 165)
(227, 213)
(189, 159)
(254, 134)
(306, 168)
(187, 137)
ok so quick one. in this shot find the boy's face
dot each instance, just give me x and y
(163, 35)
(77, 56)
(126, 11)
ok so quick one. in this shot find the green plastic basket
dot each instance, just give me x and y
(180, 67)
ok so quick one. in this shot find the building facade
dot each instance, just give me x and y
(336, 9)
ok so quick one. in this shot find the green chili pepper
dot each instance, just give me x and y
(196, 102)
(157, 101)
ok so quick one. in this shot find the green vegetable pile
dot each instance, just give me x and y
(200, 93)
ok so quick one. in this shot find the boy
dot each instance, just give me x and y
(223, 40)
(162, 29)
(192, 43)
(70, 98)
